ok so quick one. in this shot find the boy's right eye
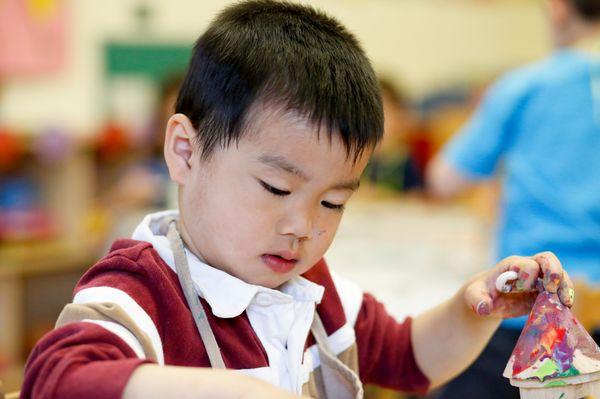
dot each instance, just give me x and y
(273, 190)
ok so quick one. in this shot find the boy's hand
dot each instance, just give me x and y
(263, 390)
(485, 299)
(151, 381)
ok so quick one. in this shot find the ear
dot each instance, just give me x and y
(179, 147)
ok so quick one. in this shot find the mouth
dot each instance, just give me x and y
(280, 263)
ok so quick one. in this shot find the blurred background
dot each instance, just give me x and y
(86, 88)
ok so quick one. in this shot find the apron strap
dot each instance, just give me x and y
(339, 381)
(318, 331)
(185, 280)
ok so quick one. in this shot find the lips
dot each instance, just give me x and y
(283, 262)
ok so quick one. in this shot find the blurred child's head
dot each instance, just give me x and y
(587, 9)
(275, 121)
(399, 118)
(572, 20)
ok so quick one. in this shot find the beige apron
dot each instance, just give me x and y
(337, 380)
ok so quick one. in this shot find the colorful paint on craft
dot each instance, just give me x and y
(553, 344)
(549, 367)
(558, 383)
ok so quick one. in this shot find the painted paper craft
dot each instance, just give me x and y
(555, 357)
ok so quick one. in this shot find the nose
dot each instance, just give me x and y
(297, 222)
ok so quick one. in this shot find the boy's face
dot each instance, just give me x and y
(267, 209)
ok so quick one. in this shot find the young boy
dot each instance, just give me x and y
(274, 124)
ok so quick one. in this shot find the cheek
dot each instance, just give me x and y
(325, 237)
(328, 224)
(244, 216)
(318, 247)
(324, 233)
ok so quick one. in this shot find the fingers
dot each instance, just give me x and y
(566, 293)
(504, 282)
(478, 298)
(518, 276)
(552, 270)
(556, 279)
(527, 271)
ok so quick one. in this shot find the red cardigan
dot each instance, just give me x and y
(84, 360)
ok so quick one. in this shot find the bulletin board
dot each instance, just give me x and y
(33, 36)
(154, 61)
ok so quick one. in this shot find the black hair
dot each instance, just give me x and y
(285, 54)
(588, 9)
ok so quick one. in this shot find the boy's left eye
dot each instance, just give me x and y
(283, 193)
(273, 190)
(333, 206)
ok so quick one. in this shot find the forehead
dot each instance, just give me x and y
(281, 133)
(290, 143)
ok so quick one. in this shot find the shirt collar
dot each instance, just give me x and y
(228, 296)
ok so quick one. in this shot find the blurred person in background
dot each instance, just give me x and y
(395, 165)
(145, 181)
(142, 182)
(539, 128)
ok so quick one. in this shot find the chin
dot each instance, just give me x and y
(272, 283)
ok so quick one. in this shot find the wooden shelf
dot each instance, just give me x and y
(19, 263)
(46, 257)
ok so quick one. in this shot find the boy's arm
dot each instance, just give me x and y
(444, 180)
(474, 153)
(110, 331)
(83, 360)
(151, 381)
(447, 338)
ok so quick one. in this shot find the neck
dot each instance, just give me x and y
(187, 241)
(579, 34)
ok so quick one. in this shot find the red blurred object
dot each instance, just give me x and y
(11, 149)
(113, 141)
(420, 146)
(19, 225)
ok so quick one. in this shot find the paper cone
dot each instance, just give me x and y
(555, 357)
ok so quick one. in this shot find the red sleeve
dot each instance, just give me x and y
(385, 352)
(79, 360)
(85, 360)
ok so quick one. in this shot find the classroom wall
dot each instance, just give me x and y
(423, 44)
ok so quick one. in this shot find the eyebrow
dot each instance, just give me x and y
(279, 162)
